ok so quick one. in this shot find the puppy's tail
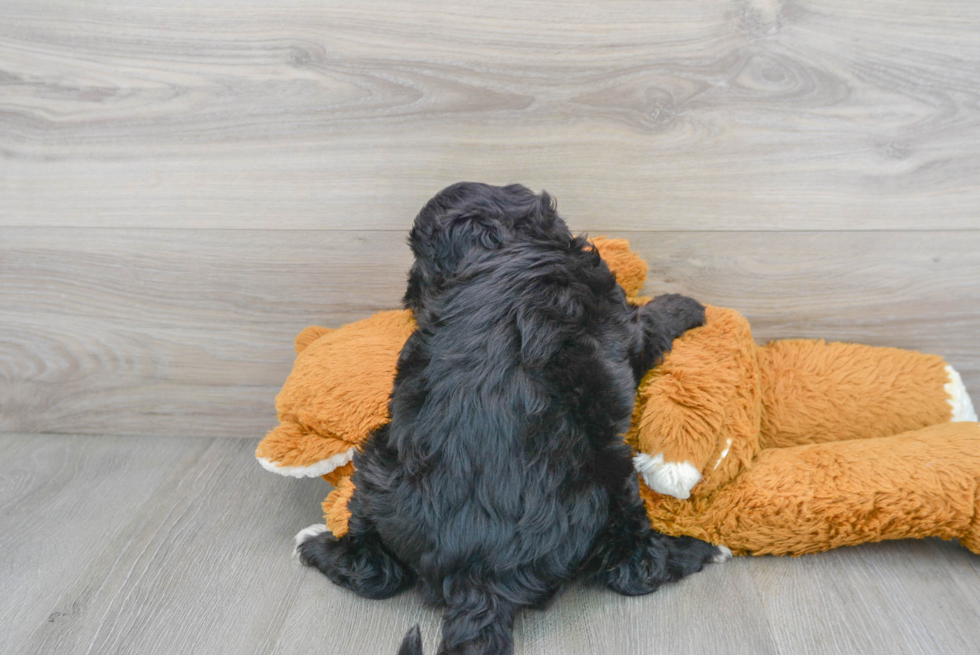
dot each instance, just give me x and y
(478, 622)
(412, 643)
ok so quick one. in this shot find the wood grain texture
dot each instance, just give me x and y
(63, 507)
(895, 579)
(178, 546)
(186, 572)
(189, 332)
(681, 115)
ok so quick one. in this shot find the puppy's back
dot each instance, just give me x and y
(516, 377)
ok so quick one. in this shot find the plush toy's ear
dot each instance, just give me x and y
(628, 267)
(308, 336)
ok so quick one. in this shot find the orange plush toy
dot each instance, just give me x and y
(789, 448)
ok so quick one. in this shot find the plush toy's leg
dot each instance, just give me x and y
(631, 558)
(357, 561)
(811, 498)
(815, 392)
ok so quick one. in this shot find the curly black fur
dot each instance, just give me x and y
(503, 473)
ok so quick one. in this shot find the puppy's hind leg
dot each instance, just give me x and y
(686, 555)
(633, 559)
(359, 563)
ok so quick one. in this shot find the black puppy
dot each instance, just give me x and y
(503, 472)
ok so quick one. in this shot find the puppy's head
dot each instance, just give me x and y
(467, 219)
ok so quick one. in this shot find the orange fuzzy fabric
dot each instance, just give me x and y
(789, 448)
(815, 391)
(338, 391)
(798, 443)
(805, 499)
(705, 393)
(335, 510)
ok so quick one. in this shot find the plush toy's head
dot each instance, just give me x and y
(336, 395)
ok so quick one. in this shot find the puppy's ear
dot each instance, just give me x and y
(417, 282)
(440, 248)
(464, 234)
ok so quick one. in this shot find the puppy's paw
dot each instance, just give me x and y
(723, 554)
(304, 535)
(679, 313)
(688, 555)
(643, 571)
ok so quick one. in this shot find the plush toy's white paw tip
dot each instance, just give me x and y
(959, 399)
(313, 470)
(723, 555)
(305, 535)
(670, 478)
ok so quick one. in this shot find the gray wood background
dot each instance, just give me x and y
(185, 185)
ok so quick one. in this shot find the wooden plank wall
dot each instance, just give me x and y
(185, 185)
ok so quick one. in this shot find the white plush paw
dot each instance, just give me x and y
(305, 534)
(314, 470)
(670, 478)
(724, 554)
(959, 399)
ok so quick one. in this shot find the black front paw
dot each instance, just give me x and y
(642, 568)
(657, 558)
(662, 320)
(676, 313)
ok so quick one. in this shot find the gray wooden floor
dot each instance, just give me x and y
(117, 544)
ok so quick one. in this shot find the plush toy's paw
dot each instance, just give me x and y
(310, 457)
(336, 395)
(959, 399)
(669, 478)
